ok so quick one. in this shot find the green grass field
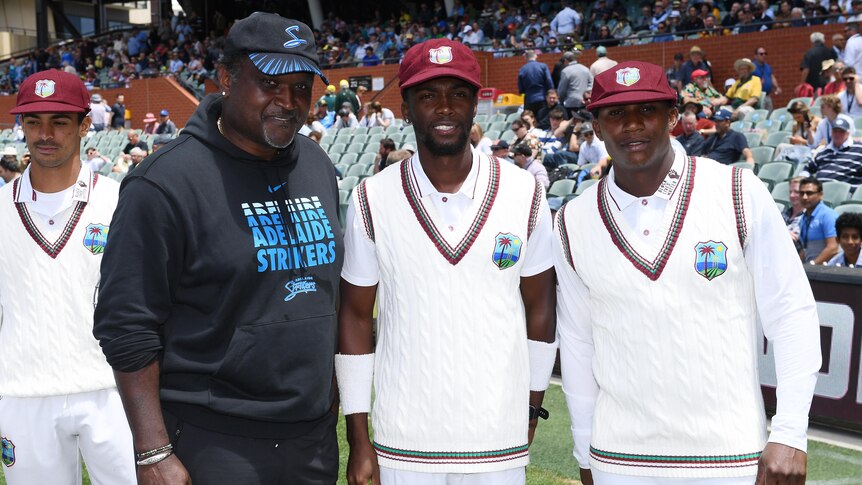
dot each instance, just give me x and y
(553, 464)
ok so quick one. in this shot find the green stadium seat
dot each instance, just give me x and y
(762, 154)
(757, 116)
(349, 158)
(500, 126)
(742, 165)
(373, 140)
(562, 188)
(337, 148)
(775, 172)
(343, 196)
(780, 114)
(367, 158)
(356, 170)
(754, 139)
(777, 137)
(836, 193)
(845, 208)
(584, 185)
(356, 148)
(348, 183)
(781, 192)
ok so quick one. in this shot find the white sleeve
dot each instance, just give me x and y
(540, 246)
(575, 334)
(360, 254)
(787, 312)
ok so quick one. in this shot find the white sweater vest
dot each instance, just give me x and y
(47, 295)
(674, 331)
(451, 373)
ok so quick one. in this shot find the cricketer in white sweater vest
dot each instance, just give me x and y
(657, 306)
(46, 338)
(451, 375)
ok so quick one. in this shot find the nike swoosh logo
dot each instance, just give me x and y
(272, 189)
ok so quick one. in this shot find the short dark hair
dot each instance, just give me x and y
(556, 113)
(387, 143)
(812, 180)
(848, 220)
(517, 124)
(10, 165)
(522, 149)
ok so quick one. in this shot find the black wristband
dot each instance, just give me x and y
(539, 412)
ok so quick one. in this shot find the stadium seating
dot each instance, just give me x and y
(834, 192)
(777, 137)
(845, 208)
(562, 188)
(584, 185)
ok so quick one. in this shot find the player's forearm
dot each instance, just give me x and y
(357, 429)
(139, 391)
(540, 301)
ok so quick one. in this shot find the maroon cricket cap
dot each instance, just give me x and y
(438, 58)
(631, 82)
(52, 91)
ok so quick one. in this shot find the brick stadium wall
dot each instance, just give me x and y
(786, 47)
(144, 95)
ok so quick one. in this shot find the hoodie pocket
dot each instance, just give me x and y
(278, 368)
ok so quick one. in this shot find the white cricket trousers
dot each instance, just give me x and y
(42, 437)
(514, 476)
(602, 478)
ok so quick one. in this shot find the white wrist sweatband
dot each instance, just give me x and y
(354, 374)
(542, 358)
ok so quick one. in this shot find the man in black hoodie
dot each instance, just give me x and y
(217, 312)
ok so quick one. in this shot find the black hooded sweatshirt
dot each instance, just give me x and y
(225, 267)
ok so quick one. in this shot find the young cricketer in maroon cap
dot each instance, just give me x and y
(658, 386)
(465, 350)
(59, 396)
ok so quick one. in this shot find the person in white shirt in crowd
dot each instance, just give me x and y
(831, 109)
(100, 112)
(95, 160)
(853, 47)
(603, 63)
(480, 142)
(377, 115)
(345, 119)
(851, 97)
(592, 150)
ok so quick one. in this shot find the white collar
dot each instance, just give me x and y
(83, 185)
(668, 186)
(425, 187)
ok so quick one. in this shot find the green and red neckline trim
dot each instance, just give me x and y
(453, 254)
(652, 269)
(52, 249)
